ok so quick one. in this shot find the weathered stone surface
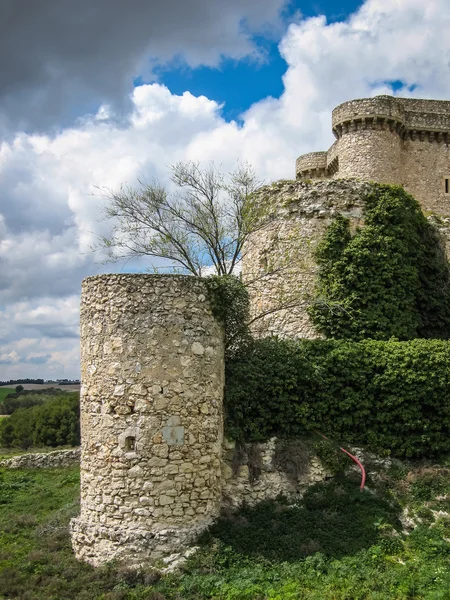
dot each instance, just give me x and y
(58, 458)
(139, 333)
(403, 141)
(271, 482)
(279, 259)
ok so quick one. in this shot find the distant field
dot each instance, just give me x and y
(39, 386)
(4, 391)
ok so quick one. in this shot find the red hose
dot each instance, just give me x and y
(354, 459)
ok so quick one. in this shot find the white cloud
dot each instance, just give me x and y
(58, 56)
(48, 217)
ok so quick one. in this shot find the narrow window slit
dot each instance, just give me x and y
(130, 444)
(447, 186)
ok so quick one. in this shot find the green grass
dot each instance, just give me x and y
(337, 544)
(4, 392)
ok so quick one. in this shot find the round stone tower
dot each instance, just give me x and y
(312, 166)
(152, 373)
(278, 264)
(370, 133)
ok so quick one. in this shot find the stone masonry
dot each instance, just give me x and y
(155, 468)
(152, 368)
(279, 264)
(271, 479)
(43, 460)
(401, 141)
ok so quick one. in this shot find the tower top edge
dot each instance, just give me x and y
(412, 113)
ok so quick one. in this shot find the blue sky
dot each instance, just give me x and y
(55, 148)
(239, 84)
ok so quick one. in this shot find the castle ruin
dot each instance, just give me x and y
(392, 140)
(383, 139)
(155, 468)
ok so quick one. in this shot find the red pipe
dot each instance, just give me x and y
(354, 459)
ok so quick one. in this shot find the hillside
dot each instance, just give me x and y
(390, 542)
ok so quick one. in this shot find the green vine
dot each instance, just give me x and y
(389, 279)
(230, 305)
(388, 396)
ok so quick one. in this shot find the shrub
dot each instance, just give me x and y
(230, 305)
(57, 422)
(388, 396)
(391, 278)
(12, 403)
(53, 423)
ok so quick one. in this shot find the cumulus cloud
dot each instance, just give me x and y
(57, 56)
(49, 216)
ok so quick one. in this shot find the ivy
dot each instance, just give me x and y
(392, 397)
(389, 279)
(373, 383)
(231, 307)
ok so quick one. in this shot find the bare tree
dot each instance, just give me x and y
(205, 223)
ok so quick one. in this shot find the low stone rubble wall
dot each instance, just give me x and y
(239, 484)
(257, 472)
(43, 460)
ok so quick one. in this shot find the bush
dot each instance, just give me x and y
(391, 278)
(13, 402)
(53, 423)
(57, 422)
(390, 396)
(231, 307)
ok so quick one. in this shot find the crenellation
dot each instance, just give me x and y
(400, 141)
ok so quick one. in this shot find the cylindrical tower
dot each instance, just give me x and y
(311, 166)
(370, 139)
(151, 416)
(279, 265)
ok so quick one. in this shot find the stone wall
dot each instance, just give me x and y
(425, 167)
(41, 460)
(371, 155)
(385, 139)
(257, 472)
(278, 259)
(152, 370)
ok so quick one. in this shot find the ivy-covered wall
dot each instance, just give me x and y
(381, 297)
(381, 269)
(389, 278)
(388, 396)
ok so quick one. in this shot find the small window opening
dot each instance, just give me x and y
(130, 444)
(263, 263)
(447, 186)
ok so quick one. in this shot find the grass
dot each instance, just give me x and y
(4, 392)
(337, 544)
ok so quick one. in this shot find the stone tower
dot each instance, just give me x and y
(393, 140)
(278, 264)
(383, 139)
(151, 416)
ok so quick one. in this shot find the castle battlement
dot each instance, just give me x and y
(402, 141)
